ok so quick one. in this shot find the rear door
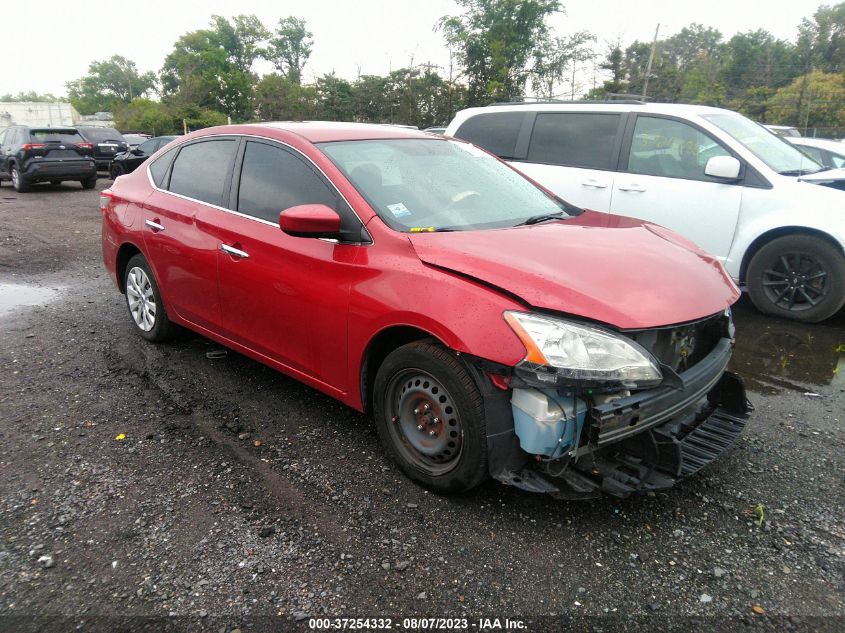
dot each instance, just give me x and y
(285, 297)
(662, 180)
(183, 256)
(574, 154)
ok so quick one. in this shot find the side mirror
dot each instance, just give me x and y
(136, 152)
(724, 167)
(310, 220)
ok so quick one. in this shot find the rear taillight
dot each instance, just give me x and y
(85, 145)
(105, 199)
(29, 146)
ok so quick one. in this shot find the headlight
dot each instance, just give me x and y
(582, 353)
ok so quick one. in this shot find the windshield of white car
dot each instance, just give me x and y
(773, 150)
(422, 185)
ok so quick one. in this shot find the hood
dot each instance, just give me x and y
(616, 270)
(825, 176)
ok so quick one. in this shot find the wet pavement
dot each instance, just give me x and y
(14, 297)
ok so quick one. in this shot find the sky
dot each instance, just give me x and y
(350, 37)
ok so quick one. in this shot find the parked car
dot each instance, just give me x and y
(107, 142)
(489, 327)
(830, 154)
(134, 140)
(712, 175)
(786, 131)
(128, 161)
(32, 154)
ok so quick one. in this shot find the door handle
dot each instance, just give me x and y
(234, 252)
(631, 187)
(155, 226)
(592, 182)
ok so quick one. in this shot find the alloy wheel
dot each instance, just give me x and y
(141, 300)
(796, 281)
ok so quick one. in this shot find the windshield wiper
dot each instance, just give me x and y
(545, 217)
(800, 172)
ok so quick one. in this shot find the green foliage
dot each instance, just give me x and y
(149, 117)
(277, 98)
(495, 40)
(108, 83)
(30, 96)
(290, 48)
(812, 100)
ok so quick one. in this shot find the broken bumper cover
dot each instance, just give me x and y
(645, 442)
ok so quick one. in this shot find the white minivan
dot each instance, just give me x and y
(729, 184)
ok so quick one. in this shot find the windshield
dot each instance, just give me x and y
(430, 184)
(103, 135)
(765, 145)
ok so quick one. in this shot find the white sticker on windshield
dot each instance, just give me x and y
(398, 210)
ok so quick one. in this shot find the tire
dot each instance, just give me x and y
(422, 384)
(18, 182)
(89, 183)
(799, 277)
(115, 171)
(148, 316)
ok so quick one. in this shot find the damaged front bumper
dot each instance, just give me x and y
(643, 442)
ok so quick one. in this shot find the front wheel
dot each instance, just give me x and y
(430, 417)
(115, 171)
(89, 183)
(798, 277)
(143, 300)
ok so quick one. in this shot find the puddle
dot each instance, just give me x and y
(15, 296)
(773, 354)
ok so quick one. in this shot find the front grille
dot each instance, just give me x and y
(682, 346)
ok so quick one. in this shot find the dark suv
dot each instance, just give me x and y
(52, 154)
(107, 142)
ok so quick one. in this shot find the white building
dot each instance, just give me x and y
(37, 113)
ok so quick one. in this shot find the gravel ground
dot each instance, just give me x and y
(238, 498)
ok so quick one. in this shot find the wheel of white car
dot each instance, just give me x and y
(800, 277)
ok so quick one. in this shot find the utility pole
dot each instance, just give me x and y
(650, 61)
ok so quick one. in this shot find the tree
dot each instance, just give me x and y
(149, 117)
(812, 100)
(211, 68)
(556, 58)
(108, 82)
(494, 41)
(826, 35)
(30, 96)
(290, 48)
(334, 98)
(277, 98)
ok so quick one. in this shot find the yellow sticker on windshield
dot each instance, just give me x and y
(422, 229)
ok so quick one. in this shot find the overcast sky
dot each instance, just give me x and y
(55, 43)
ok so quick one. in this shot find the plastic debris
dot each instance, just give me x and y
(120, 437)
(216, 353)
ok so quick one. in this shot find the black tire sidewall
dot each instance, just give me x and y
(22, 185)
(442, 364)
(89, 183)
(162, 329)
(826, 253)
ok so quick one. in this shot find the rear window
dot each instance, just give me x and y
(100, 135)
(71, 137)
(496, 132)
(574, 139)
(158, 169)
(201, 170)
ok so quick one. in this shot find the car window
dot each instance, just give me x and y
(70, 137)
(201, 169)
(837, 160)
(273, 179)
(103, 135)
(664, 147)
(575, 139)
(496, 132)
(149, 147)
(158, 168)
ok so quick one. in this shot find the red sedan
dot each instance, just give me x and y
(489, 328)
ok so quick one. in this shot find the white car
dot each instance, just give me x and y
(725, 182)
(829, 153)
(786, 131)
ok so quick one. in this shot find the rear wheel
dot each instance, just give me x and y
(143, 299)
(18, 181)
(430, 417)
(798, 277)
(89, 183)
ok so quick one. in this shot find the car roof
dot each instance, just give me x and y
(622, 106)
(324, 131)
(823, 143)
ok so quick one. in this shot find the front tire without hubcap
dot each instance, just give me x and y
(430, 417)
(143, 300)
(18, 181)
(798, 277)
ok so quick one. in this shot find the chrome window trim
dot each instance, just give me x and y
(249, 217)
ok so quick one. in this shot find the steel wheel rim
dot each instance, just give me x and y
(424, 423)
(796, 282)
(15, 177)
(140, 298)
